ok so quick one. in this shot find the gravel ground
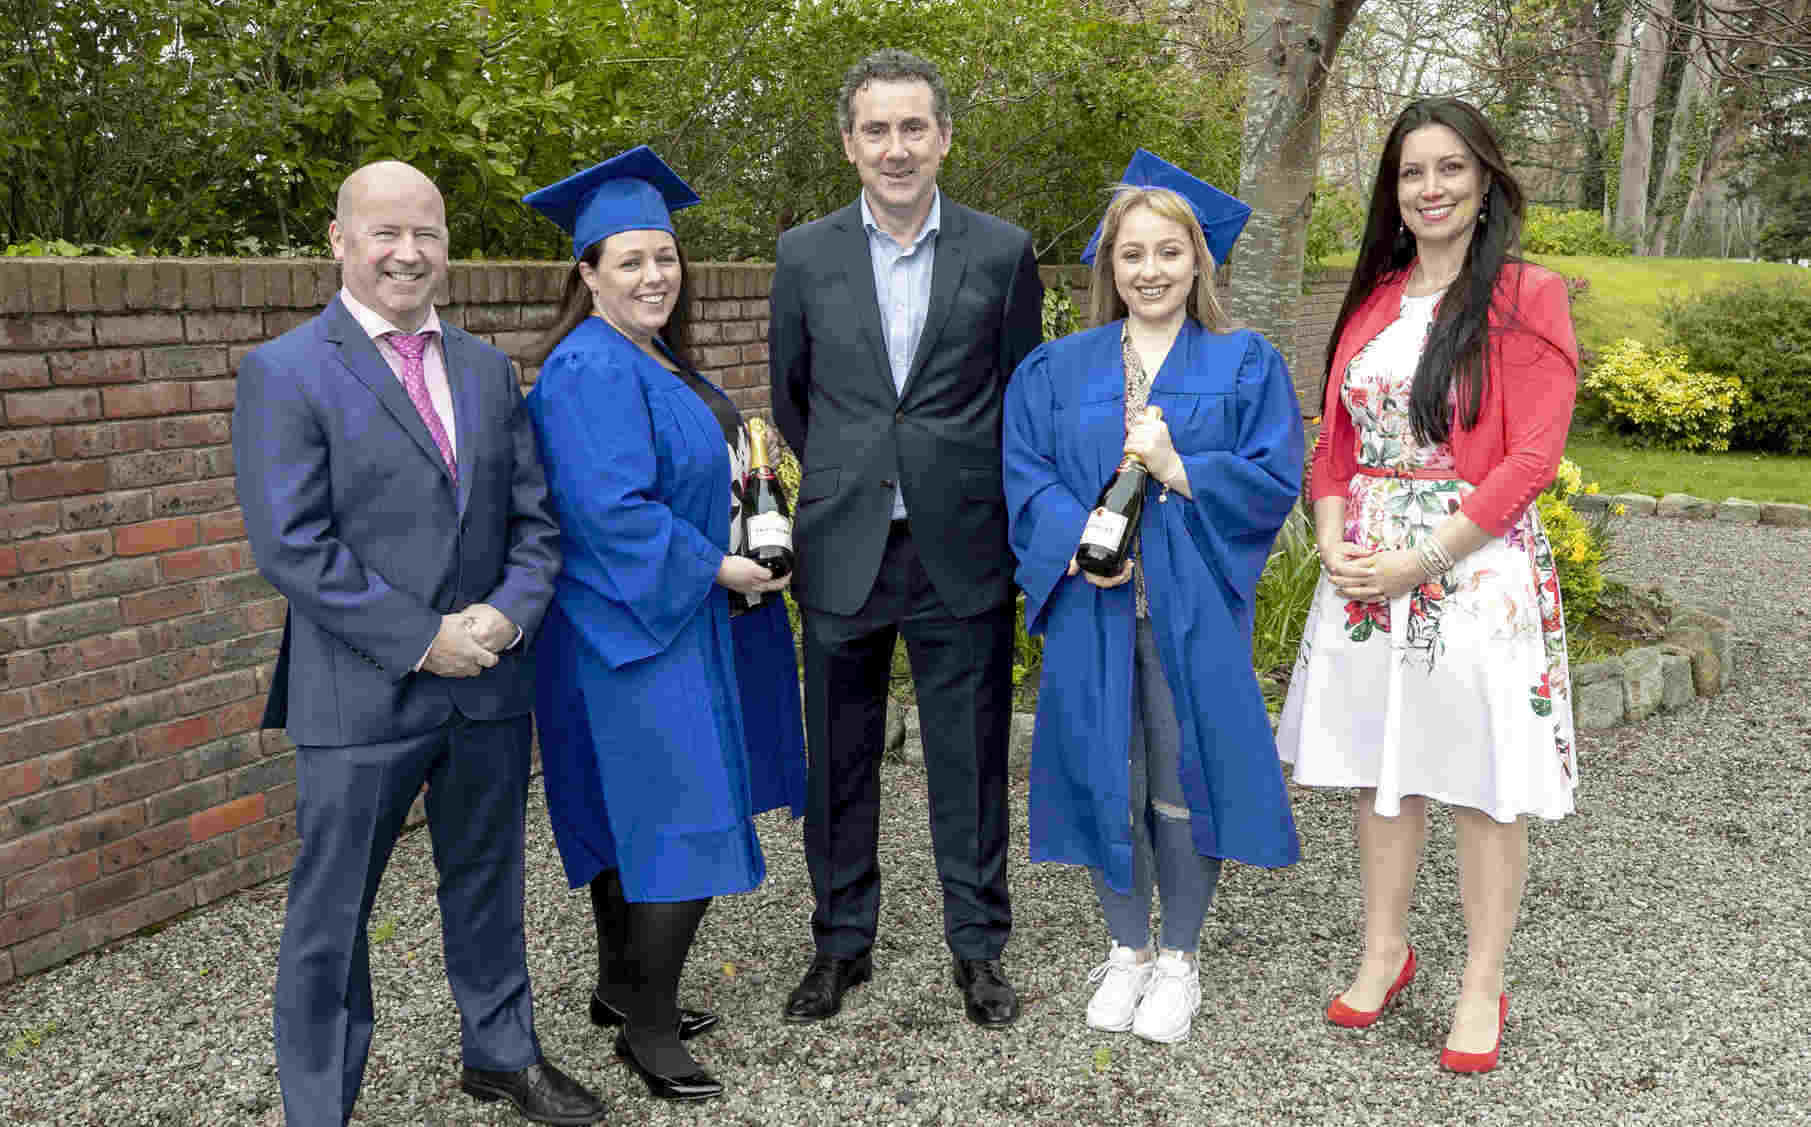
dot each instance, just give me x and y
(1660, 973)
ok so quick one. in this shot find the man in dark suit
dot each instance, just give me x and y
(896, 323)
(393, 494)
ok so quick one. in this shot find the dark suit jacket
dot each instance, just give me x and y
(352, 515)
(834, 402)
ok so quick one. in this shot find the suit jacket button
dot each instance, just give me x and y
(899, 416)
(886, 483)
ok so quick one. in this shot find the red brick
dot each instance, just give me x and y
(115, 577)
(194, 362)
(253, 870)
(168, 669)
(193, 430)
(201, 630)
(166, 282)
(268, 834)
(104, 366)
(228, 291)
(197, 563)
(97, 440)
(240, 716)
(53, 879)
(98, 830)
(65, 551)
(216, 461)
(138, 329)
(106, 510)
(20, 924)
(109, 649)
(27, 334)
(78, 287)
(57, 479)
(166, 740)
(198, 859)
(130, 714)
(26, 853)
(132, 400)
(156, 467)
(216, 527)
(213, 395)
(59, 405)
(109, 285)
(19, 446)
(231, 756)
(160, 603)
(54, 948)
(89, 760)
(197, 286)
(9, 562)
(38, 518)
(70, 621)
(72, 693)
(142, 847)
(47, 809)
(33, 666)
(26, 370)
(15, 288)
(246, 587)
(201, 328)
(144, 912)
(195, 497)
(29, 592)
(137, 782)
(41, 737)
(254, 649)
(108, 892)
(271, 614)
(16, 706)
(215, 691)
(21, 779)
(155, 536)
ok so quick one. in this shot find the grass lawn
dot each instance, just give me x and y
(1626, 294)
(1619, 468)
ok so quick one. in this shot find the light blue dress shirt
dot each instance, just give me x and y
(902, 285)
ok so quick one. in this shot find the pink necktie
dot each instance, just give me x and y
(411, 346)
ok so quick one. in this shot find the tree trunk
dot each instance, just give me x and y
(1647, 61)
(1611, 114)
(1687, 139)
(1292, 44)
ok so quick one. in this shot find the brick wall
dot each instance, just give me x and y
(136, 637)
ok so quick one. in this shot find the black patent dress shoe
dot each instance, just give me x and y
(541, 1092)
(986, 995)
(691, 1022)
(820, 993)
(693, 1086)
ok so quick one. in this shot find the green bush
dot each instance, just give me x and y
(1285, 591)
(1760, 334)
(1548, 230)
(1334, 225)
(1580, 546)
(1662, 403)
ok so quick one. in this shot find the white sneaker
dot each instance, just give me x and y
(1122, 981)
(1170, 1001)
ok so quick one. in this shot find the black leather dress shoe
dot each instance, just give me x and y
(986, 995)
(691, 1087)
(541, 1092)
(820, 993)
(691, 1022)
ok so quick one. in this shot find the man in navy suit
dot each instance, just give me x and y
(393, 494)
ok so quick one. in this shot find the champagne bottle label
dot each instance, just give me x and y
(769, 530)
(1104, 530)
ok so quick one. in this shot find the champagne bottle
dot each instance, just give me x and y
(767, 531)
(1112, 526)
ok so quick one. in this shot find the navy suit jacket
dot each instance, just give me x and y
(352, 515)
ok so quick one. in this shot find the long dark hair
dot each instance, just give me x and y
(576, 305)
(1455, 359)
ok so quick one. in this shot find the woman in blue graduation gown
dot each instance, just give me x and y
(1153, 757)
(667, 705)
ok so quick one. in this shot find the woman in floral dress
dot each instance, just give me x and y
(1433, 663)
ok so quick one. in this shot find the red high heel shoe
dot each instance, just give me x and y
(1341, 1014)
(1479, 1062)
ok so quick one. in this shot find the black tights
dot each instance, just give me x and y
(641, 950)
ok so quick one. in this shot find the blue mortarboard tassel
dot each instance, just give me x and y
(1222, 217)
(632, 191)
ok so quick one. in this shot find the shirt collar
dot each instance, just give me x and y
(373, 322)
(932, 222)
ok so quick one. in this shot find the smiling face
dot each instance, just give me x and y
(1439, 184)
(635, 284)
(389, 235)
(896, 145)
(1154, 266)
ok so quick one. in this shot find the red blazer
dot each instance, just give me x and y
(1529, 389)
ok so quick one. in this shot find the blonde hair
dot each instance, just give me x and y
(1105, 304)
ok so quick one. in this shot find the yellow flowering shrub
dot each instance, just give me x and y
(1653, 394)
(1578, 555)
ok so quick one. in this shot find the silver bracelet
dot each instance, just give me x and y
(1435, 559)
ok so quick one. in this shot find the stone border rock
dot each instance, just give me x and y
(1684, 506)
(1693, 660)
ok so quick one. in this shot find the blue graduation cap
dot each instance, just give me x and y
(632, 191)
(1222, 217)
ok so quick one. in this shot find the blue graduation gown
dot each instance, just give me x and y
(664, 726)
(1234, 420)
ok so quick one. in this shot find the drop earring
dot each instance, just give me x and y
(1484, 208)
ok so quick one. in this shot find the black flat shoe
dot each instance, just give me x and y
(541, 1092)
(691, 1022)
(986, 995)
(820, 993)
(690, 1088)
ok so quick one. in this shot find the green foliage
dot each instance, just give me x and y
(1759, 335)
(1580, 546)
(1784, 188)
(1549, 230)
(1655, 397)
(28, 1039)
(1027, 651)
(225, 126)
(60, 248)
(1285, 591)
(1061, 317)
(1335, 224)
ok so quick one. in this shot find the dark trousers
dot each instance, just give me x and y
(962, 670)
(350, 805)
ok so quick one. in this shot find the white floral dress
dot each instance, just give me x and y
(1457, 690)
